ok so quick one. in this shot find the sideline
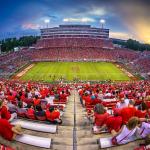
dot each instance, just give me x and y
(125, 71)
(24, 71)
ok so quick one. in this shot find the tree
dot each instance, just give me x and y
(133, 44)
(10, 43)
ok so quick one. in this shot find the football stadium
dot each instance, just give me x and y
(74, 86)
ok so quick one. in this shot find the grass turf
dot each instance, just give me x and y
(49, 71)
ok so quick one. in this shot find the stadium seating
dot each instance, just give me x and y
(41, 89)
(117, 90)
(74, 50)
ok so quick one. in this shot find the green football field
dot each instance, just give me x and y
(50, 71)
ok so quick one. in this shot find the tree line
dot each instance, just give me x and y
(132, 44)
(10, 43)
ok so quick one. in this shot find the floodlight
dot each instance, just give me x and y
(102, 21)
(46, 20)
(65, 20)
(84, 19)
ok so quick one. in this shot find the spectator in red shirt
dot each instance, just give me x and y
(147, 101)
(148, 112)
(7, 131)
(5, 114)
(11, 98)
(30, 112)
(87, 99)
(63, 96)
(128, 112)
(100, 115)
(36, 100)
(53, 115)
(112, 123)
(142, 111)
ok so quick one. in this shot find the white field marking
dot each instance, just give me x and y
(125, 71)
(24, 71)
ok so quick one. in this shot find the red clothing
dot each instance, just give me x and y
(43, 93)
(100, 119)
(23, 98)
(36, 102)
(80, 92)
(11, 98)
(3, 147)
(127, 113)
(148, 104)
(140, 114)
(142, 148)
(6, 129)
(52, 115)
(114, 123)
(30, 111)
(63, 96)
(88, 100)
(5, 114)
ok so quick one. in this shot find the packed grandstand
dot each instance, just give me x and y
(67, 45)
(74, 115)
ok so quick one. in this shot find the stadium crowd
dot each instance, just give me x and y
(35, 101)
(74, 42)
(12, 62)
(123, 109)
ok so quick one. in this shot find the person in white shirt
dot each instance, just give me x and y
(49, 99)
(122, 103)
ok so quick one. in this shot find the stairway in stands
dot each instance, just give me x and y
(64, 139)
(75, 132)
(85, 139)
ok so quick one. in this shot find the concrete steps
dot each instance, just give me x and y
(85, 138)
(64, 138)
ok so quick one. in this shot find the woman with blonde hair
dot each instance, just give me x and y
(126, 133)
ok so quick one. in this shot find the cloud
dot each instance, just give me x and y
(97, 11)
(28, 26)
(120, 35)
(136, 18)
(90, 11)
(78, 20)
(124, 17)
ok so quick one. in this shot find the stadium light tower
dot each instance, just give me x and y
(0, 48)
(47, 22)
(102, 22)
(65, 20)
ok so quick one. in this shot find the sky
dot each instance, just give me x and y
(125, 18)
